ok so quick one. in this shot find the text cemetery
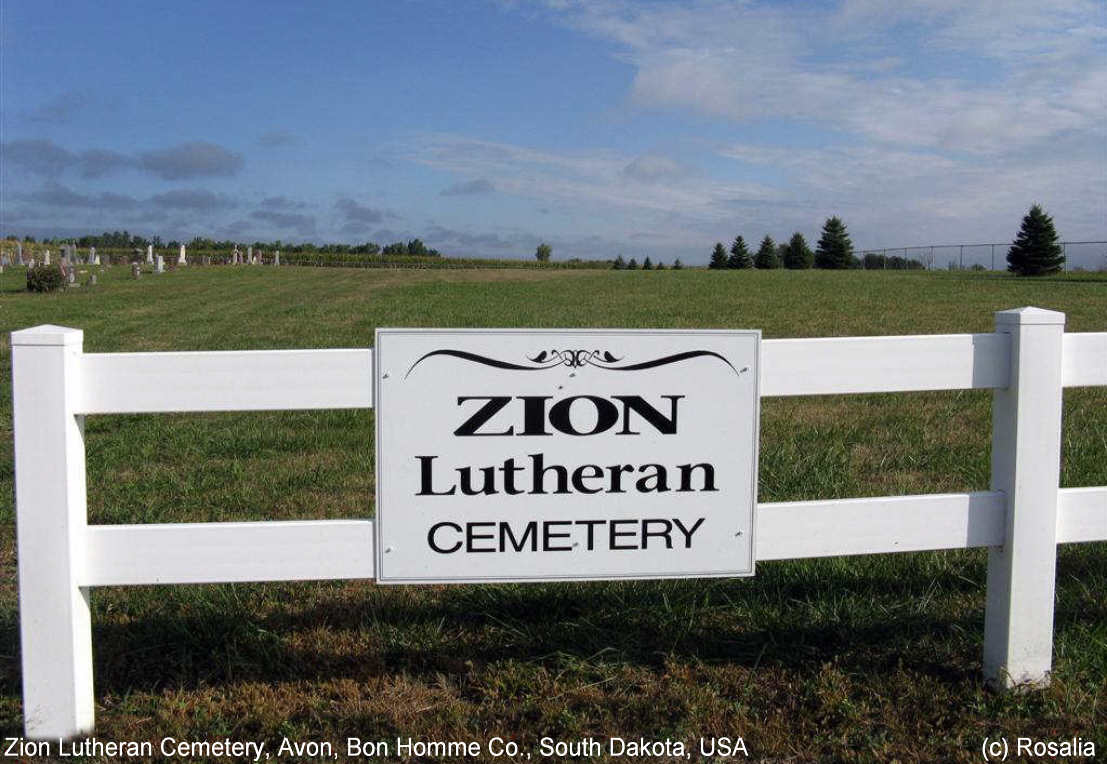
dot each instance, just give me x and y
(628, 454)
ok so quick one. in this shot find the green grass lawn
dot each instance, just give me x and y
(862, 657)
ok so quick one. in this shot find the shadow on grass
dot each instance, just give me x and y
(848, 619)
(869, 620)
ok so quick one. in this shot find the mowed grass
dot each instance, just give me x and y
(852, 658)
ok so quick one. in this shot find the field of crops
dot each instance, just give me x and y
(865, 657)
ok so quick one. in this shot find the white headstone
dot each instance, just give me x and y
(19, 252)
(181, 257)
(46, 258)
(92, 258)
(277, 258)
(71, 275)
(136, 270)
(5, 260)
(249, 255)
(150, 253)
(159, 266)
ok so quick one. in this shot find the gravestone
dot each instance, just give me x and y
(150, 254)
(5, 260)
(181, 257)
(277, 258)
(93, 258)
(71, 276)
(249, 255)
(92, 279)
(46, 258)
(19, 252)
(159, 265)
(136, 270)
(205, 260)
(234, 258)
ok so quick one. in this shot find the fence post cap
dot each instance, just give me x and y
(1030, 315)
(48, 334)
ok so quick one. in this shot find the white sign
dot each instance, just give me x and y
(539, 455)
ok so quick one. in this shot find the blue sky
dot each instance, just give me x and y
(600, 126)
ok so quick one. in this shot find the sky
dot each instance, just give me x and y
(602, 127)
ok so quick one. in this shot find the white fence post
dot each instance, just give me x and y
(1026, 462)
(55, 628)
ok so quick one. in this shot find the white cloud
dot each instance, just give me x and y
(614, 193)
(981, 77)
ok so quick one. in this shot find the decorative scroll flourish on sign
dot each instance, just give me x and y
(575, 359)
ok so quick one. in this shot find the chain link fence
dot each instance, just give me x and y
(1079, 256)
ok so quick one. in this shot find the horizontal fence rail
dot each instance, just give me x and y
(298, 550)
(1026, 362)
(229, 380)
(138, 383)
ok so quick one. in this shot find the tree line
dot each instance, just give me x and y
(834, 251)
(1036, 251)
(620, 264)
(126, 240)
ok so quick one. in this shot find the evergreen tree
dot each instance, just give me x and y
(1035, 252)
(632, 265)
(660, 266)
(647, 264)
(620, 263)
(739, 254)
(798, 255)
(542, 253)
(678, 265)
(766, 255)
(834, 249)
(718, 257)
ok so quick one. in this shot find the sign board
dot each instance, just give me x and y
(542, 455)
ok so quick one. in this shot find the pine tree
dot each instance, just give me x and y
(678, 265)
(834, 250)
(647, 264)
(798, 255)
(1035, 252)
(620, 263)
(766, 255)
(718, 257)
(739, 254)
(660, 266)
(632, 265)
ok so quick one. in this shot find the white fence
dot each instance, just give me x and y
(1027, 361)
